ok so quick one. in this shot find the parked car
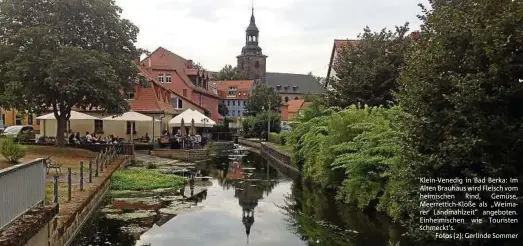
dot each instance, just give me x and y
(20, 133)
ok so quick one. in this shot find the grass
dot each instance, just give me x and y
(284, 148)
(144, 179)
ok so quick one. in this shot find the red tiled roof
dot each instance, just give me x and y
(146, 99)
(179, 64)
(243, 88)
(295, 105)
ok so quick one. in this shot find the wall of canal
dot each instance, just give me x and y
(280, 160)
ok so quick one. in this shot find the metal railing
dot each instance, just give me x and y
(21, 188)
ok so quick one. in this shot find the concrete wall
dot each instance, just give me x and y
(41, 238)
(180, 154)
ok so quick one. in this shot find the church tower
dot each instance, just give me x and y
(252, 62)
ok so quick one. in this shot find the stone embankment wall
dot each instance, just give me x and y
(279, 159)
(63, 235)
(180, 154)
(255, 146)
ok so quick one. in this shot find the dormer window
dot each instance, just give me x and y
(295, 88)
(286, 87)
(168, 78)
(278, 87)
(130, 96)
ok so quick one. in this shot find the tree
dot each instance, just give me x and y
(228, 72)
(262, 98)
(319, 80)
(367, 73)
(198, 66)
(54, 58)
(462, 95)
(222, 109)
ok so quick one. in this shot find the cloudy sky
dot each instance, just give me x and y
(297, 35)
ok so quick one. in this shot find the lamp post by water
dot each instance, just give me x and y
(205, 121)
(268, 119)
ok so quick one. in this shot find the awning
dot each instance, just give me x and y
(74, 116)
(200, 120)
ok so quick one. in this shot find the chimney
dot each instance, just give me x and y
(189, 64)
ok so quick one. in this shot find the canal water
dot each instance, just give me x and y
(249, 202)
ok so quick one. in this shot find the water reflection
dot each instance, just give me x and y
(320, 220)
(251, 203)
(250, 177)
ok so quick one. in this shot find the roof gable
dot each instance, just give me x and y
(160, 94)
(295, 105)
(163, 59)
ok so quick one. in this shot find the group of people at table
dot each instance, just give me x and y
(179, 141)
(92, 138)
(176, 141)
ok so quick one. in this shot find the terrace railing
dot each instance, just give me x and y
(21, 188)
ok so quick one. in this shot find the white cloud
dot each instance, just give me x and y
(297, 35)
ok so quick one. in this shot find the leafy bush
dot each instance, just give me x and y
(144, 179)
(256, 126)
(12, 151)
(351, 151)
(274, 138)
(151, 165)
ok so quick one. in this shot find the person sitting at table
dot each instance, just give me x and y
(72, 139)
(146, 139)
(88, 137)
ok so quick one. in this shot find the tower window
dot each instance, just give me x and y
(257, 64)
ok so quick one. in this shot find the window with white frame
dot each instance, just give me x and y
(168, 78)
(178, 103)
(160, 78)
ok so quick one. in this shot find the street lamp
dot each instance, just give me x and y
(268, 119)
(205, 121)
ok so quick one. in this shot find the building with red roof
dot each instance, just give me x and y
(182, 77)
(292, 108)
(234, 94)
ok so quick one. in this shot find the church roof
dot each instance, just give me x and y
(252, 25)
(291, 83)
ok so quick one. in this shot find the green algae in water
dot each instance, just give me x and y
(131, 216)
(144, 179)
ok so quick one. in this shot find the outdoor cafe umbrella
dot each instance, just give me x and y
(192, 130)
(74, 116)
(182, 129)
(132, 117)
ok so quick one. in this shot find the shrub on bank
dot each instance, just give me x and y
(12, 151)
(350, 151)
(144, 179)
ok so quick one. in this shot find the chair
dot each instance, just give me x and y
(50, 164)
